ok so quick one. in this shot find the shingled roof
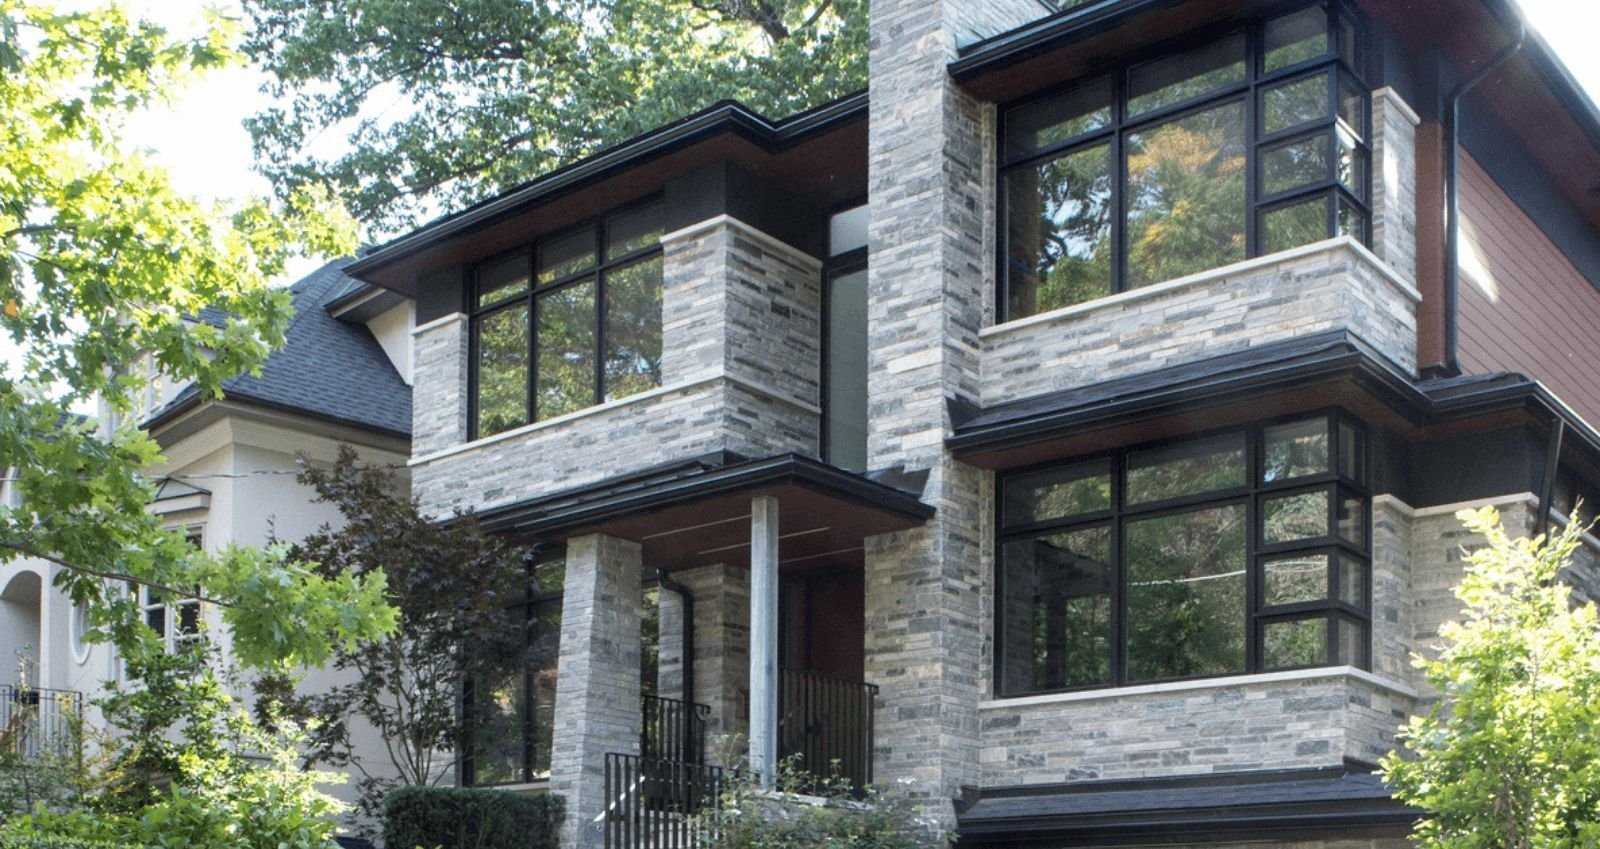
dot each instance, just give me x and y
(327, 368)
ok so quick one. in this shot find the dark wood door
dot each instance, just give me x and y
(824, 623)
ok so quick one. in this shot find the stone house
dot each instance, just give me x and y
(1070, 427)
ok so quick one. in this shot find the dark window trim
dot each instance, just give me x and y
(532, 600)
(529, 300)
(833, 267)
(1250, 497)
(1331, 62)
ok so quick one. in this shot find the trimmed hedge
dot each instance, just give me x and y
(470, 818)
(11, 841)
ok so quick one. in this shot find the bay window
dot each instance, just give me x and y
(1251, 143)
(572, 321)
(1243, 551)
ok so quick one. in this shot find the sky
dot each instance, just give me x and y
(201, 139)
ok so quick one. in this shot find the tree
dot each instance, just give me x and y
(498, 91)
(1509, 758)
(104, 264)
(459, 593)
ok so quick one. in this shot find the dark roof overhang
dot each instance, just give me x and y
(1334, 368)
(696, 512)
(1341, 802)
(725, 131)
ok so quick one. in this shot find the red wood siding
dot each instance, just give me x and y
(1535, 314)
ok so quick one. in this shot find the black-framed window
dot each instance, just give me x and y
(1252, 142)
(1242, 551)
(571, 321)
(509, 718)
(844, 340)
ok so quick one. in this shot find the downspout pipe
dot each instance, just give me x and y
(1552, 467)
(1452, 193)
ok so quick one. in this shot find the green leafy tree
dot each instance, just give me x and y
(498, 91)
(1509, 758)
(459, 592)
(191, 769)
(102, 265)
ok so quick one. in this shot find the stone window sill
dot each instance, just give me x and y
(1293, 675)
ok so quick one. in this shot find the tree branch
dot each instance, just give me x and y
(22, 548)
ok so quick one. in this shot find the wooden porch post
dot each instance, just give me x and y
(764, 637)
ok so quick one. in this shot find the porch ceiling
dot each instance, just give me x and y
(698, 513)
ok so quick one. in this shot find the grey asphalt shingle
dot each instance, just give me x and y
(327, 368)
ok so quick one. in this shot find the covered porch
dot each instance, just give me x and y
(759, 565)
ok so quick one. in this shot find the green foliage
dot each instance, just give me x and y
(498, 91)
(8, 841)
(1510, 756)
(455, 588)
(189, 769)
(103, 268)
(805, 811)
(471, 819)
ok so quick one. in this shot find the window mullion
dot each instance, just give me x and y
(1252, 189)
(1253, 585)
(602, 271)
(1119, 586)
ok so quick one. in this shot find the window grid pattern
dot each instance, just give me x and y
(1296, 115)
(571, 321)
(1302, 541)
(510, 721)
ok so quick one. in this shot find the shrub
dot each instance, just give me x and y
(470, 818)
(11, 841)
(806, 811)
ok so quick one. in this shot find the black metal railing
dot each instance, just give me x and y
(826, 724)
(674, 730)
(35, 721)
(651, 801)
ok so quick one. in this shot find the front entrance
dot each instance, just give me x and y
(823, 623)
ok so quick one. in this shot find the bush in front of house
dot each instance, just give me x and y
(470, 818)
(804, 810)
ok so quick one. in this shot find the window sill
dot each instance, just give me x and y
(540, 786)
(1290, 676)
(1326, 246)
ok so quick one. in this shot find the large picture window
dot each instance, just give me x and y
(572, 321)
(1244, 551)
(1250, 143)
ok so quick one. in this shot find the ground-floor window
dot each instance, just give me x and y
(1246, 550)
(509, 717)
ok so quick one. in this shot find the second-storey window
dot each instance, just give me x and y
(1244, 551)
(1245, 145)
(573, 321)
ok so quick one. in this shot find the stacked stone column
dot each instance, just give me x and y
(931, 186)
(597, 684)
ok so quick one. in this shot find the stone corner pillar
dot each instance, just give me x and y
(597, 679)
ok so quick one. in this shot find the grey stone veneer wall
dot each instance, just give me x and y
(1300, 719)
(930, 192)
(1226, 727)
(1394, 184)
(740, 367)
(1335, 284)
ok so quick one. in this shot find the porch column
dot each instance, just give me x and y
(764, 637)
(597, 677)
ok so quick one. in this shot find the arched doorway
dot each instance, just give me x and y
(20, 630)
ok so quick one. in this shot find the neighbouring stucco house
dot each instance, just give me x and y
(343, 377)
(1070, 427)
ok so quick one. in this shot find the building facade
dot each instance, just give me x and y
(228, 477)
(1069, 428)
